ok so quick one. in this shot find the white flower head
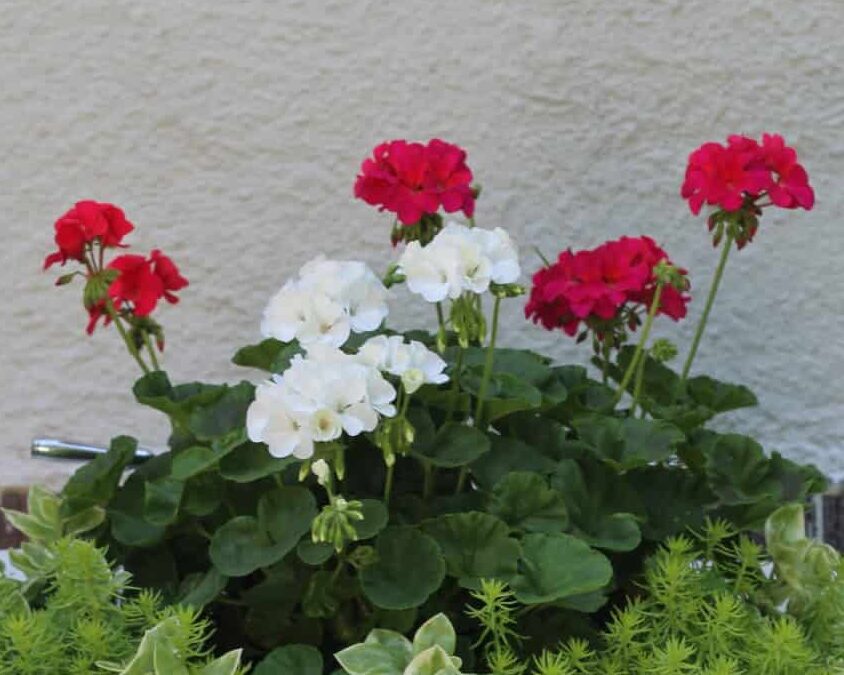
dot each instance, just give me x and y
(413, 362)
(460, 259)
(318, 398)
(327, 302)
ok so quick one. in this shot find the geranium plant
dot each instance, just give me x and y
(370, 473)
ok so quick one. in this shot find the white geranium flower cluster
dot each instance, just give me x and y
(460, 259)
(411, 361)
(318, 398)
(328, 392)
(327, 302)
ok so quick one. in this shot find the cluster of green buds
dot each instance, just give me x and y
(334, 524)
(668, 274)
(467, 320)
(663, 350)
(395, 437)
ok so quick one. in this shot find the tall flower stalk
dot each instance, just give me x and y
(704, 318)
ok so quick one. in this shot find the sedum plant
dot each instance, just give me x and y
(74, 614)
(365, 475)
(708, 604)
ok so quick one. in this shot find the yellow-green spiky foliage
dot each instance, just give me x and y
(74, 614)
(706, 607)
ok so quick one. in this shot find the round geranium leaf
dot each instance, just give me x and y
(242, 546)
(524, 500)
(299, 659)
(286, 513)
(375, 517)
(555, 566)
(476, 546)
(314, 553)
(410, 567)
(453, 445)
(250, 462)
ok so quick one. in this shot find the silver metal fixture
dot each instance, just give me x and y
(53, 448)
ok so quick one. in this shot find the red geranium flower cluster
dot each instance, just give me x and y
(412, 179)
(734, 175)
(131, 284)
(596, 286)
(140, 284)
(86, 222)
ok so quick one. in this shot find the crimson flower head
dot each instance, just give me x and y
(141, 282)
(85, 222)
(733, 176)
(414, 179)
(602, 285)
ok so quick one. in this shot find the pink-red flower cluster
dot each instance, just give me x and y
(736, 174)
(414, 179)
(86, 222)
(140, 284)
(594, 286)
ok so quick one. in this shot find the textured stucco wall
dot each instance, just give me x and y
(231, 133)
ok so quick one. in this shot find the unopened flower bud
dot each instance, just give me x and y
(412, 379)
(663, 350)
(322, 471)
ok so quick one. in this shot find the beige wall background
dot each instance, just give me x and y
(231, 133)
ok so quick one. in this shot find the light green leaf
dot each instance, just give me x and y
(435, 632)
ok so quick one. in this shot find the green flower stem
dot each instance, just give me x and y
(487, 374)
(455, 384)
(640, 347)
(151, 349)
(605, 362)
(130, 345)
(428, 484)
(388, 483)
(490, 358)
(713, 290)
(637, 388)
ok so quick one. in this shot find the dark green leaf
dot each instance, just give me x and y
(629, 442)
(375, 517)
(224, 415)
(410, 567)
(506, 455)
(506, 393)
(242, 546)
(557, 566)
(271, 355)
(199, 589)
(314, 553)
(602, 506)
(524, 500)
(454, 445)
(251, 462)
(192, 461)
(290, 660)
(476, 546)
(161, 500)
(286, 514)
(95, 483)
